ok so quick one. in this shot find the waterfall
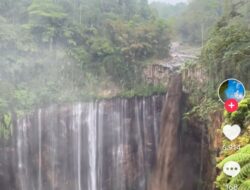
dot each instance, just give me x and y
(100, 145)
(92, 140)
(76, 124)
(40, 151)
(168, 174)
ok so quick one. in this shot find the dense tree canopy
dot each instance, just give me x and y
(61, 50)
(226, 53)
(196, 21)
(57, 51)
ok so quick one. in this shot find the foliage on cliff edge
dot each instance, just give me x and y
(242, 156)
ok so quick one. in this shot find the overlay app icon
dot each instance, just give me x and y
(231, 89)
(231, 131)
(231, 168)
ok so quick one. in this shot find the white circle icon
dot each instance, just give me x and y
(231, 168)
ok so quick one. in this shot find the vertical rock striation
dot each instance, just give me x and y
(166, 174)
(184, 159)
(119, 144)
(102, 145)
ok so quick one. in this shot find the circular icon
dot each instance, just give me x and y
(231, 168)
(231, 89)
(231, 105)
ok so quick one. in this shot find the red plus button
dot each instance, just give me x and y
(231, 105)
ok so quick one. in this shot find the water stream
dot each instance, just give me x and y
(101, 145)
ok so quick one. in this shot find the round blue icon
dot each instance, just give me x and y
(231, 89)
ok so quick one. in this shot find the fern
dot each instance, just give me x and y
(241, 158)
(222, 179)
(242, 176)
(245, 185)
(245, 149)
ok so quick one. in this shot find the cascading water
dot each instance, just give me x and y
(179, 161)
(92, 142)
(40, 151)
(101, 145)
(166, 175)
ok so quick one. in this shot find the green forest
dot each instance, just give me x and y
(63, 51)
(60, 51)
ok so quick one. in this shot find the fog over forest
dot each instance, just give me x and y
(123, 94)
(173, 2)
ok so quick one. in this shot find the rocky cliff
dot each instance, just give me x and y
(184, 159)
(118, 144)
(101, 145)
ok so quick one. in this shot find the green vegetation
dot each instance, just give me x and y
(242, 156)
(143, 90)
(63, 51)
(226, 52)
(203, 110)
(5, 125)
(193, 22)
(170, 13)
(56, 51)
(225, 55)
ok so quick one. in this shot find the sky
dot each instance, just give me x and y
(173, 2)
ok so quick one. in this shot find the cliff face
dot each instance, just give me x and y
(184, 153)
(166, 174)
(103, 145)
(119, 144)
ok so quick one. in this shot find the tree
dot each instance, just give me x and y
(144, 9)
(54, 51)
(198, 18)
(47, 20)
(226, 54)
